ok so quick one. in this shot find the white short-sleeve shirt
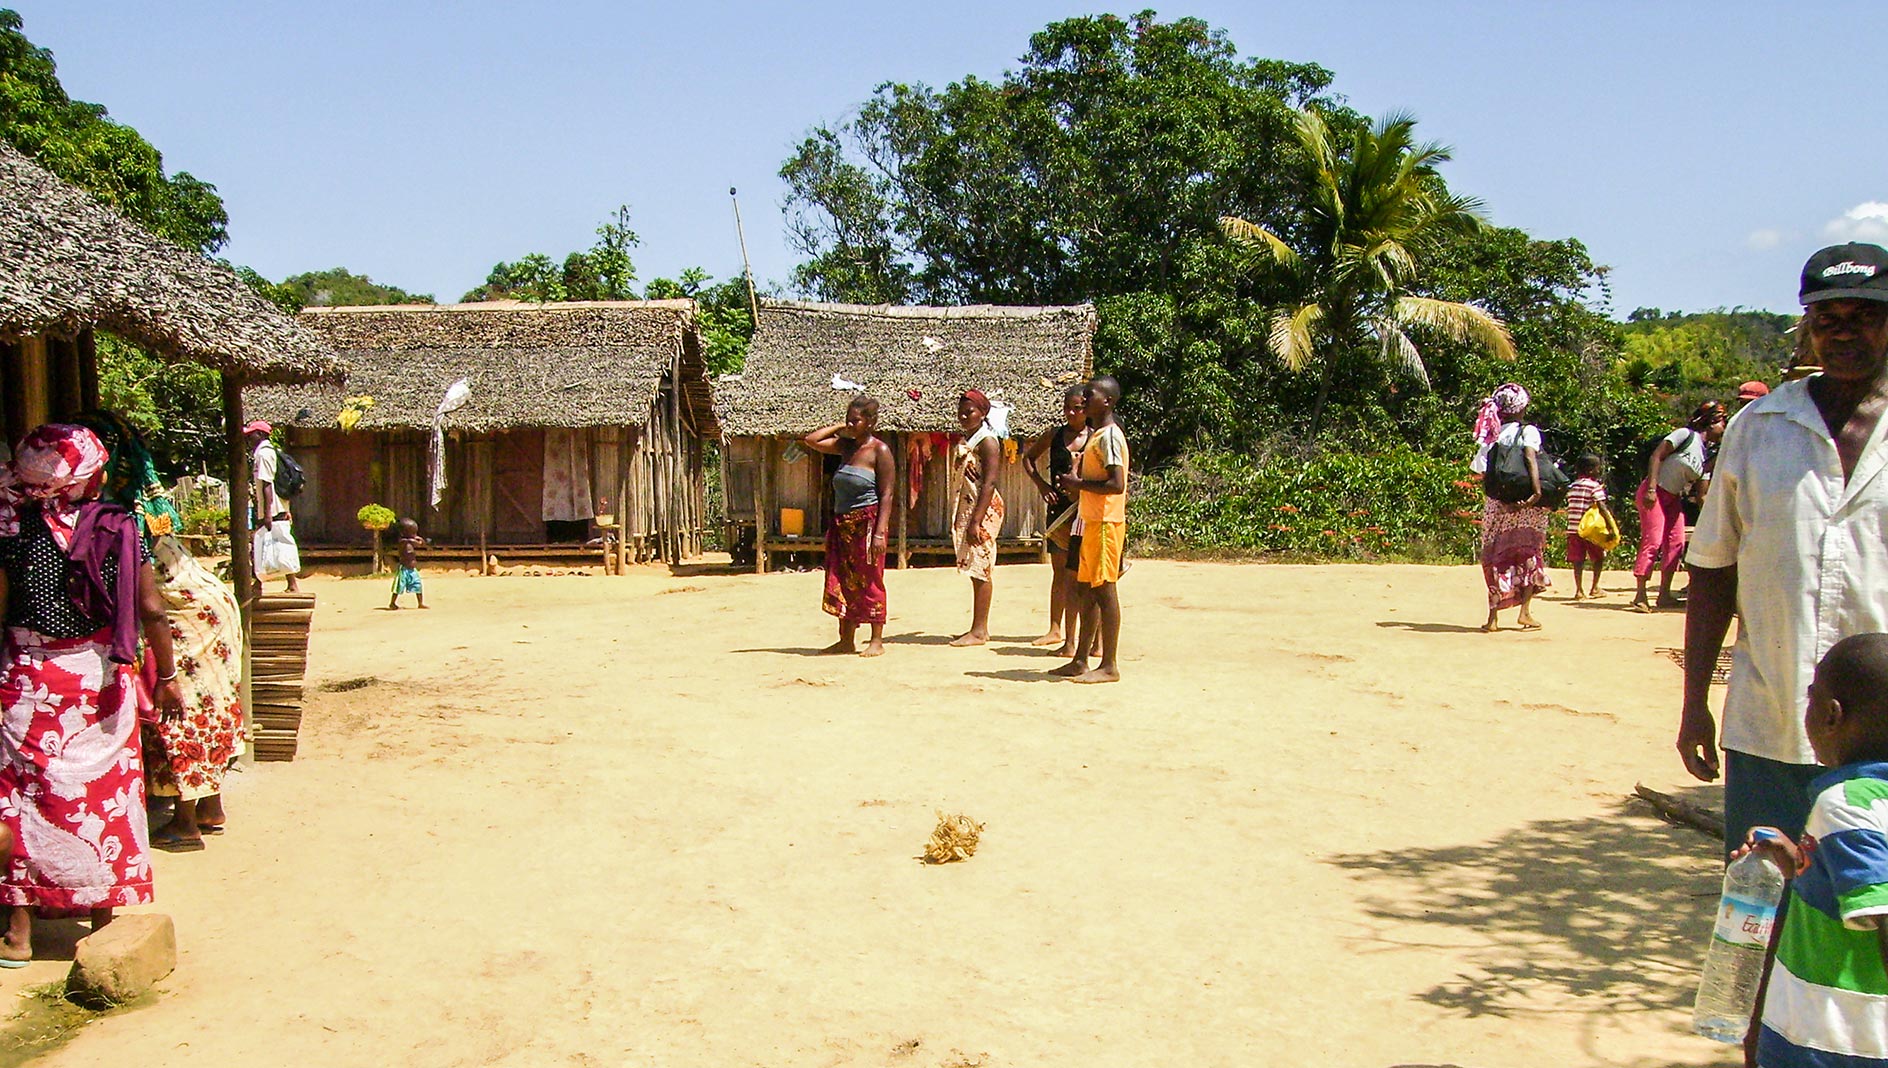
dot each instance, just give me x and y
(1527, 434)
(1811, 555)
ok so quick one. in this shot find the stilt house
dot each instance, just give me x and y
(580, 416)
(802, 369)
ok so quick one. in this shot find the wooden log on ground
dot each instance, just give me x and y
(1678, 810)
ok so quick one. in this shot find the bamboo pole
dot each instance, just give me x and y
(675, 449)
(903, 470)
(622, 498)
(762, 499)
(240, 572)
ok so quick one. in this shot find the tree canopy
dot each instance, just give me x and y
(337, 287)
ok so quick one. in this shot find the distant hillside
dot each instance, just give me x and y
(1704, 355)
(339, 287)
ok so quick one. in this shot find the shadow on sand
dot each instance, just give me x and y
(1016, 675)
(1617, 908)
(1432, 628)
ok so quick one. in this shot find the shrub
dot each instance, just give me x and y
(1398, 504)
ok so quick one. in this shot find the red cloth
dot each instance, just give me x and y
(855, 578)
(72, 779)
(1661, 532)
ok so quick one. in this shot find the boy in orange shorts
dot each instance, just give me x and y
(1101, 479)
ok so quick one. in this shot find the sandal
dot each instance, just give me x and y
(171, 842)
(1641, 607)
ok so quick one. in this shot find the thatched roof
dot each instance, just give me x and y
(1024, 357)
(68, 262)
(578, 364)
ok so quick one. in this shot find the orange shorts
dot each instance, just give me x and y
(1102, 546)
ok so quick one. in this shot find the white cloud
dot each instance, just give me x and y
(1867, 221)
(1764, 239)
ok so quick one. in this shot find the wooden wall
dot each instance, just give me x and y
(495, 484)
(804, 483)
(46, 379)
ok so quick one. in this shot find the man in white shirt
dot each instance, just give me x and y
(1794, 540)
(274, 535)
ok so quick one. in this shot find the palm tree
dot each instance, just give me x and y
(1376, 211)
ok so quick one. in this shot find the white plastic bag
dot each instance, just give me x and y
(276, 553)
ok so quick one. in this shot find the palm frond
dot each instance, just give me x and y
(1291, 336)
(1399, 350)
(1253, 236)
(1463, 322)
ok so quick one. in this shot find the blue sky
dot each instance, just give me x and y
(1700, 150)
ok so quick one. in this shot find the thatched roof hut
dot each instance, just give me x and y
(577, 364)
(69, 263)
(571, 405)
(1024, 357)
(914, 361)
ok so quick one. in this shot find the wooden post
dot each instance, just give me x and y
(675, 453)
(622, 499)
(240, 572)
(903, 504)
(762, 499)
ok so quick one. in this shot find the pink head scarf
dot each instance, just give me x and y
(59, 465)
(1509, 400)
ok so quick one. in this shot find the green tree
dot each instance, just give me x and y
(1097, 171)
(338, 287)
(609, 257)
(78, 142)
(727, 323)
(1378, 209)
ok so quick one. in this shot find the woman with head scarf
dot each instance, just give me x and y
(977, 514)
(1672, 473)
(184, 757)
(1514, 535)
(77, 591)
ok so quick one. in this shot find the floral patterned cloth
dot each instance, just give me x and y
(567, 476)
(1514, 543)
(855, 578)
(71, 781)
(187, 756)
(976, 558)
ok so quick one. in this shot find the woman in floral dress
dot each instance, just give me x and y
(187, 756)
(977, 515)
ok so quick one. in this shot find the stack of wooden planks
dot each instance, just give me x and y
(279, 662)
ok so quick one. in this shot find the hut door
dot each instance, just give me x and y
(518, 487)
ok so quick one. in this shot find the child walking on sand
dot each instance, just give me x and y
(407, 579)
(1101, 479)
(1586, 492)
(1822, 1003)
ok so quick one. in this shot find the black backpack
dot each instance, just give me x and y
(289, 476)
(1507, 478)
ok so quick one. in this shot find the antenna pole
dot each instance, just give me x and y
(747, 269)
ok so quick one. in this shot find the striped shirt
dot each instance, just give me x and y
(1583, 494)
(1827, 1005)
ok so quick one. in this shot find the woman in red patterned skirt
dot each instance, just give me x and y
(856, 535)
(77, 591)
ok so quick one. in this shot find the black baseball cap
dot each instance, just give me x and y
(1855, 271)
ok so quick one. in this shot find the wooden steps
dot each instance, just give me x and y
(278, 657)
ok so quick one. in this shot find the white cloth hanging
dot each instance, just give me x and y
(456, 396)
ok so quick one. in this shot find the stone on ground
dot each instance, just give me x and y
(123, 960)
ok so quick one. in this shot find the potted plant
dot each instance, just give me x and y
(375, 518)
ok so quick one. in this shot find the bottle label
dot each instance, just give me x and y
(1743, 922)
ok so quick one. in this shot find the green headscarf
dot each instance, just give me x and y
(131, 475)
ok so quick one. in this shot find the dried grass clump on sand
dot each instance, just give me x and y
(954, 839)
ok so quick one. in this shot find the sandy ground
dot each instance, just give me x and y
(630, 821)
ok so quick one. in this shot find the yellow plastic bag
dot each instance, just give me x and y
(1598, 527)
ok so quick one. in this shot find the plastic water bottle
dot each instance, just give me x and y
(1727, 991)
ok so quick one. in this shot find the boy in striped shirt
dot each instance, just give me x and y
(1825, 1002)
(1587, 490)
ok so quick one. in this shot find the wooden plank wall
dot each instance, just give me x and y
(495, 484)
(802, 484)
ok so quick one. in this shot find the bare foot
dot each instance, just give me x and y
(969, 638)
(1100, 674)
(1054, 637)
(1578, 596)
(393, 607)
(873, 649)
(1596, 592)
(839, 648)
(1529, 623)
(1071, 670)
(1067, 652)
(1490, 627)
